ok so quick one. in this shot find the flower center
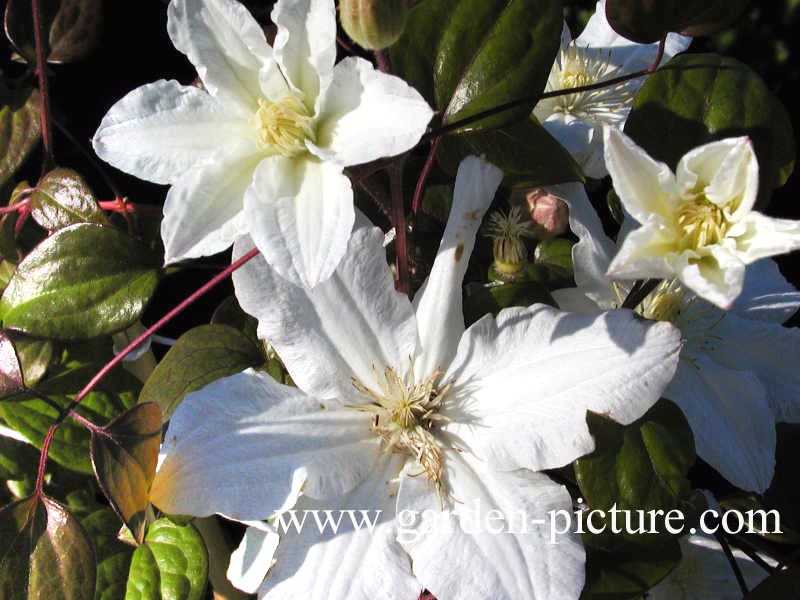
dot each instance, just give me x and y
(507, 231)
(405, 416)
(284, 126)
(701, 222)
(579, 66)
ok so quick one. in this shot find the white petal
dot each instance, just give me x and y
(592, 254)
(252, 559)
(582, 139)
(440, 317)
(203, 209)
(764, 236)
(732, 423)
(301, 215)
(624, 53)
(717, 277)
(645, 187)
(522, 385)
(727, 172)
(342, 328)
(766, 295)
(646, 252)
(704, 573)
(351, 563)
(574, 300)
(366, 115)
(160, 130)
(768, 350)
(487, 543)
(305, 45)
(225, 44)
(245, 446)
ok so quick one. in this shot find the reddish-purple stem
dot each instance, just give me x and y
(41, 71)
(423, 176)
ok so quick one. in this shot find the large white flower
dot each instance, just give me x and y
(399, 408)
(704, 573)
(737, 373)
(261, 150)
(697, 224)
(597, 54)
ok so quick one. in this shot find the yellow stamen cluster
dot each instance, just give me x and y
(701, 222)
(405, 415)
(508, 230)
(284, 126)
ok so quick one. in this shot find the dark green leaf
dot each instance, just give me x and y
(72, 26)
(700, 98)
(617, 568)
(18, 461)
(81, 282)
(230, 313)
(32, 417)
(468, 56)
(436, 201)
(113, 556)
(784, 585)
(45, 553)
(641, 467)
(19, 127)
(172, 563)
(124, 456)
(200, 356)
(63, 198)
(646, 21)
(524, 151)
(556, 252)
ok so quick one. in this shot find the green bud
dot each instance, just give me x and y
(373, 24)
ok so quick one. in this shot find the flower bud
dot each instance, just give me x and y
(373, 24)
(508, 230)
(549, 213)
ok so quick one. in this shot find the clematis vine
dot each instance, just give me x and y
(697, 224)
(401, 409)
(260, 149)
(737, 372)
(598, 54)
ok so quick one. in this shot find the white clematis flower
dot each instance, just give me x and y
(399, 408)
(737, 373)
(704, 573)
(597, 54)
(261, 151)
(697, 224)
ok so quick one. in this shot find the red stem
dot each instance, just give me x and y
(41, 71)
(400, 229)
(423, 176)
(127, 350)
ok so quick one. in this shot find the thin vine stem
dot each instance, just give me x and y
(423, 176)
(216, 280)
(640, 290)
(450, 127)
(44, 93)
(402, 284)
(737, 571)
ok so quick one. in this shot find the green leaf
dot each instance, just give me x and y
(32, 417)
(172, 563)
(524, 151)
(20, 128)
(230, 313)
(81, 282)
(641, 466)
(46, 553)
(113, 556)
(63, 198)
(18, 460)
(468, 56)
(701, 98)
(124, 456)
(555, 252)
(617, 568)
(200, 356)
(490, 298)
(73, 28)
(646, 21)
(11, 381)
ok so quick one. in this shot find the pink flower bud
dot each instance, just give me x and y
(549, 213)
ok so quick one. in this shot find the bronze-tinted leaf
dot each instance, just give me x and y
(63, 198)
(11, 381)
(124, 456)
(44, 553)
(19, 128)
